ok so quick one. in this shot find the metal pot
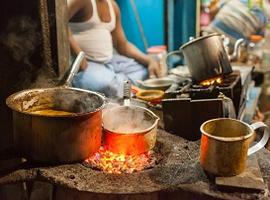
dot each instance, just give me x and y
(60, 138)
(225, 145)
(157, 83)
(129, 130)
(206, 57)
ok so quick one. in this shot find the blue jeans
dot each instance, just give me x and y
(108, 78)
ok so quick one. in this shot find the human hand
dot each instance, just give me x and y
(154, 69)
(258, 116)
(84, 64)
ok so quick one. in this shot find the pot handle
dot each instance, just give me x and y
(264, 139)
(74, 68)
(228, 106)
(170, 54)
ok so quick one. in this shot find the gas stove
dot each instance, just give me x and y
(185, 109)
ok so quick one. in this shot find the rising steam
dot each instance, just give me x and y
(22, 40)
(127, 119)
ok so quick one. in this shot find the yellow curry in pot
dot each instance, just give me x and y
(50, 112)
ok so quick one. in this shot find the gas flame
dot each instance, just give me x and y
(110, 162)
(212, 81)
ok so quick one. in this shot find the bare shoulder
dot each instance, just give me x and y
(77, 3)
(78, 8)
(116, 7)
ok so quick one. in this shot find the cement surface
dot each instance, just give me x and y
(178, 171)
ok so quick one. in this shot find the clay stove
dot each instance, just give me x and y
(177, 176)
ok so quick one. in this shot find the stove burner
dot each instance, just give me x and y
(110, 162)
(230, 87)
(212, 81)
(184, 112)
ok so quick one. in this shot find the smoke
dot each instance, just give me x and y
(76, 101)
(22, 41)
(21, 38)
(46, 77)
(123, 119)
(61, 99)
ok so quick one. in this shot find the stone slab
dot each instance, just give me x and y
(250, 179)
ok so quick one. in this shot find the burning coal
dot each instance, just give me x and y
(212, 81)
(110, 162)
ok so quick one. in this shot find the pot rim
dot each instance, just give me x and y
(227, 139)
(134, 133)
(151, 83)
(10, 99)
(198, 39)
(141, 95)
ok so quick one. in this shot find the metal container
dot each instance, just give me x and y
(60, 138)
(206, 57)
(129, 130)
(157, 83)
(225, 145)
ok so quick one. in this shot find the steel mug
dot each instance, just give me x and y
(225, 145)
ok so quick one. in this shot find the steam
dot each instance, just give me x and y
(20, 38)
(68, 100)
(22, 41)
(76, 101)
(128, 120)
(46, 77)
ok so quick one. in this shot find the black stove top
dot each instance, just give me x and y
(230, 87)
(186, 108)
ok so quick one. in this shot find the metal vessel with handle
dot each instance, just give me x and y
(129, 129)
(59, 138)
(206, 57)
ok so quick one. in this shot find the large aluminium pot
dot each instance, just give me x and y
(129, 130)
(205, 57)
(61, 138)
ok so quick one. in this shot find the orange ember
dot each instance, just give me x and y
(110, 162)
(212, 81)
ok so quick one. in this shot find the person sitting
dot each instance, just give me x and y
(95, 28)
(234, 19)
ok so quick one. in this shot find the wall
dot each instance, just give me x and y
(182, 22)
(152, 15)
(169, 22)
(29, 51)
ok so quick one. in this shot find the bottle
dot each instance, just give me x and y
(159, 53)
(205, 17)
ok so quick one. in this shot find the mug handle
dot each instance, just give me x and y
(264, 139)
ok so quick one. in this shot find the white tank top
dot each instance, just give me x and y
(94, 36)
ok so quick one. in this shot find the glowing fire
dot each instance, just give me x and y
(110, 162)
(212, 81)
